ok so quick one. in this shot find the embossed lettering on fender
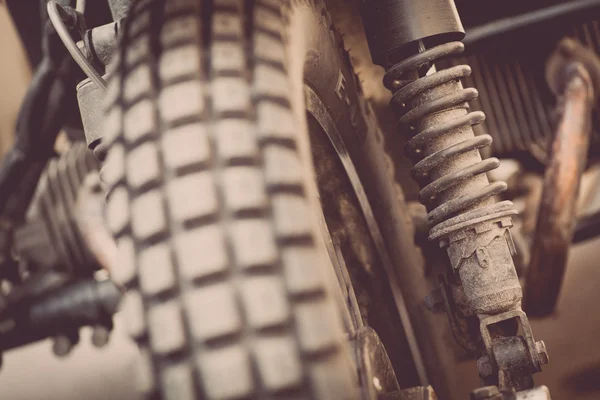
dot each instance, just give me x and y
(340, 89)
(342, 94)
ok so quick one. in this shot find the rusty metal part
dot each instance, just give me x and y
(559, 72)
(511, 358)
(516, 368)
(556, 215)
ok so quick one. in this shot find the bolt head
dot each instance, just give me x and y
(100, 336)
(434, 301)
(62, 346)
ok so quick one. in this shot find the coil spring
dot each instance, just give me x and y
(404, 93)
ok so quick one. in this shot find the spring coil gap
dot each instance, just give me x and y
(403, 94)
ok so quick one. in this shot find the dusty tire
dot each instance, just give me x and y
(227, 293)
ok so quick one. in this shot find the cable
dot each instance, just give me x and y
(535, 18)
(77, 55)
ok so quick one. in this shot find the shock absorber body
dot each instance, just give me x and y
(407, 38)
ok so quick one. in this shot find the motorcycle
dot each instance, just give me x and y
(233, 180)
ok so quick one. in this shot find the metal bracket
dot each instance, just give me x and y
(511, 361)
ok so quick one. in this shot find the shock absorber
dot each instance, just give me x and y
(408, 38)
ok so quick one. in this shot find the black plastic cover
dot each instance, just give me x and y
(391, 25)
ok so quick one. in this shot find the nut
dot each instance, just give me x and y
(485, 367)
(485, 393)
(540, 348)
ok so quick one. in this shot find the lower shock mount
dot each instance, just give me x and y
(462, 213)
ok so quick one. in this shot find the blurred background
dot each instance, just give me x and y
(33, 372)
